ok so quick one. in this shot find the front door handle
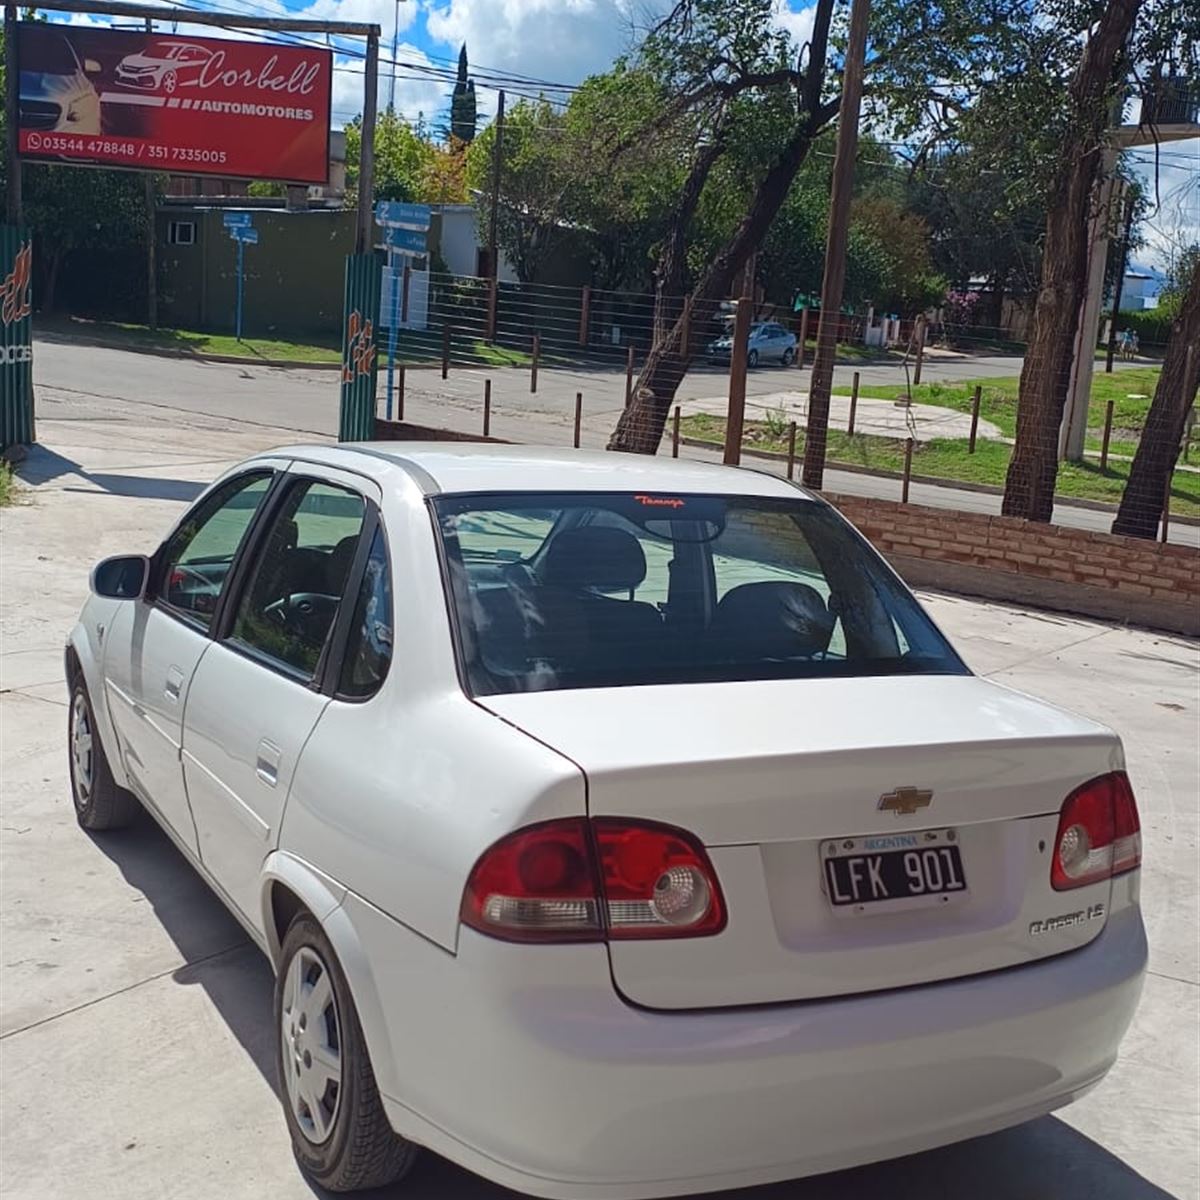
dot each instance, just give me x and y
(174, 685)
(266, 765)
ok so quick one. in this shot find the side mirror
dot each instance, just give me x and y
(121, 578)
(91, 67)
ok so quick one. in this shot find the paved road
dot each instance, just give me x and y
(306, 401)
(135, 1016)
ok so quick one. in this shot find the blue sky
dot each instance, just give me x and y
(563, 41)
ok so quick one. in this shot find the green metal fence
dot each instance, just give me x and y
(360, 328)
(16, 337)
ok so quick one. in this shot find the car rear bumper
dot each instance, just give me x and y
(522, 1064)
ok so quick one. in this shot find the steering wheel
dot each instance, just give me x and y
(303, 613)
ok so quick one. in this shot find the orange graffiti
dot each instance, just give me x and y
(360, 348)
(16, 290)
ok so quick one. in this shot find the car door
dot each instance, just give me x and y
(153, 645)
(259, 691)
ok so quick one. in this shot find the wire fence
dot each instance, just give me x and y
(926, 403)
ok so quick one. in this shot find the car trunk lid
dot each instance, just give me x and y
(776, 776)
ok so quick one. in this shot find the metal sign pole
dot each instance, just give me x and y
(241, 279)
(392, 332)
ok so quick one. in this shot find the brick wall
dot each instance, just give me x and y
(1072, 570)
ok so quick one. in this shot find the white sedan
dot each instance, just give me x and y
(615, 827)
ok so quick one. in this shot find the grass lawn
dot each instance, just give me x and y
(412, 347)
(947, 458)
(998, 402)
(6, 484)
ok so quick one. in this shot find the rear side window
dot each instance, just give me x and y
(608, 590)
(288, 607)
(369, 649)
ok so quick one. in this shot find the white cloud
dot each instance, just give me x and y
(797, 21)
(1175, 223)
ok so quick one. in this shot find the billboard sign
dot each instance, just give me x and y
(183, 105)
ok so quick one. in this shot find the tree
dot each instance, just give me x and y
(1111, 47)
(462, 102)
(1154, 462)
(732, 80)
(403, 158)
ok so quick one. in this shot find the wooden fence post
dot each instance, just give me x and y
(445, 349)
(675, 434)
(920, 350)
(400, 395)
(803, 336)
(578, 416)
(974, 417)
(791, 467)
(1108, 418)
(908, 451)
(585, 315)
(487, 407)
(853, 406)
(629, 376)
(533, 370)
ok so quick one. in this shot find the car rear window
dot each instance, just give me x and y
(608, 590)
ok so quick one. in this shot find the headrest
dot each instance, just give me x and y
(772, 619)
(596, 557)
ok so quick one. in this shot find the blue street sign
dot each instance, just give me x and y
(244, 233)
(405, 240)
(393, 212)
(236, 219)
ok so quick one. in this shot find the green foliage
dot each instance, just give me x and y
(403, 157)
(462, 102)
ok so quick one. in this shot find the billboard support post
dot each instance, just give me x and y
(366, 157)
(151, 248)
(12, 91)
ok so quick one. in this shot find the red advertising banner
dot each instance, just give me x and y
(178, 104)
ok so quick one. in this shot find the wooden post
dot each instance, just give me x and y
(974, 417)
(585, 315)
(853, 405)
(493, 308)
(629, 376)
(1108, 416)
(791, 468)
(908, 449)
(494, 206)
(533, 370)
(920, 350)
(675, 434)
(1166, 512)
(578, 416)
(736, 417)
(400, 395)
(487, 407)
(685, 335)
(803, 336)
(404, 293)
(445, 349)
(364, 237)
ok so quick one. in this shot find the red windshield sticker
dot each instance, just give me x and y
(660, 501)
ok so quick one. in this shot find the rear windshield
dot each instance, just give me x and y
(608, 590)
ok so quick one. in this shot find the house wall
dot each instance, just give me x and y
(294, 275)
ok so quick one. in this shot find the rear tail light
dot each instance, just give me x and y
(580, 880)
(1099, 834)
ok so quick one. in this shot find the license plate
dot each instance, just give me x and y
(892, 872)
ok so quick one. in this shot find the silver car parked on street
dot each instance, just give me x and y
(769, 342)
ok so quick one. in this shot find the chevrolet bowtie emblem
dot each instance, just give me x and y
(905, 801)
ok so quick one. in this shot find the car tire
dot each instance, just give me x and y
(341, 1138)
(99, 803)
(789, 357)
(169, 82)
(752, 359)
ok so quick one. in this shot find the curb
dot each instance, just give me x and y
(985, 489)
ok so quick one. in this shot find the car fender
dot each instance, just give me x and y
(323, 896)
(86, 639)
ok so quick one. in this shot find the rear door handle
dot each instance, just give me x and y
(266, 766)
(174, 684)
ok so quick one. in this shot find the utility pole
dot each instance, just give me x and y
(12, 92)
(395, 51)
(366, 159)
(735, 419)
(833, 283)
(497, 161)
(1116, 307)
(151, 240)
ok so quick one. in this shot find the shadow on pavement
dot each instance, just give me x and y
(1044, 1159)
(42, 466)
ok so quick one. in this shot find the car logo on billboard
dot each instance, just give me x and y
(905, 801)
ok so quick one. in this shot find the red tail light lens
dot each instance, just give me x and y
(574, 880)
(1099, 834)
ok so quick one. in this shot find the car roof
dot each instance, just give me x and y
(462, 467)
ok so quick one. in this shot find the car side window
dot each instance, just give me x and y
(291, 599)
(200, 552)
(369, 648)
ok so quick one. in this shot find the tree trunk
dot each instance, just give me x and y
(1141, 505)
(1032, 472)
(640, 428)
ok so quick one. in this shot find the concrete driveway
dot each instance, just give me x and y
(137, 1040)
